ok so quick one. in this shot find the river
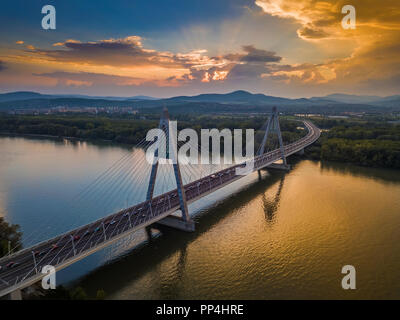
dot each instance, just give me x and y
(285, 236)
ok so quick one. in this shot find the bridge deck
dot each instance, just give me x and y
(103, 232)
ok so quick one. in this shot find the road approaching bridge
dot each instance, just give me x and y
(23, 268)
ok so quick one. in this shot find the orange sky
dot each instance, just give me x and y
(293, 48)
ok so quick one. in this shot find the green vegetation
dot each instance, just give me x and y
(130, 130)
(96, 128)
(366, 143)
(10, 237)
(369, 141)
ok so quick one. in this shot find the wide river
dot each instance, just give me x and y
(286, 236)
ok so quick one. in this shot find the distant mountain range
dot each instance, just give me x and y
(236, 100)
(244, 97)
(241, 97)
(349, 98)
(26, 95)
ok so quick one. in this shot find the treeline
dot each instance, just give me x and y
(10, 237)
(121, 131)
(374, 144)
(132, 131)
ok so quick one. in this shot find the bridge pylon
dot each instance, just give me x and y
(274, 127)
(184, 222)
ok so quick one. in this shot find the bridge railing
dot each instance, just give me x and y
(153, 207)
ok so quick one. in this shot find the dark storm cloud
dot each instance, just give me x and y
(253, 55)
(252, 63)
(128, 51)
(259, 55)
(247, 71)
(131, 47)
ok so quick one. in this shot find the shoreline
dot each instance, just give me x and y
(36, 135)
(48, 136)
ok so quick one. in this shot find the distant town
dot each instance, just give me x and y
(68, 109)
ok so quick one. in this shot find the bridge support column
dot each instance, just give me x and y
(301, 152)
(149, 233)
(15, 295)
(279, 166)
(185, 222)
(178, 223)
(273, 126)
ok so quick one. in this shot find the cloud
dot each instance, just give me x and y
(2, 66)
(259, 55)
(19, 42)
(129, 53)
(126, 62)
(375, 40)
(312, 33)
(253, 55)
(87, 79)
(322, 19)
(250, 63)
(117, 52)
(241, 71)
(305, 73)
(125, 52)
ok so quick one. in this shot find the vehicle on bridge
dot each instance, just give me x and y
(22, 268)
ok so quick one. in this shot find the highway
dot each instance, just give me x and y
(23, 268)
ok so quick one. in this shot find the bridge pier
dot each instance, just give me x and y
(149, 234)
(178, 223)
(184, 223)
(279, 166)
(301, 152)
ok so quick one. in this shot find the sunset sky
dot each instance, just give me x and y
(163, 48)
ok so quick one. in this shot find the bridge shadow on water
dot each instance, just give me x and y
(120, 272)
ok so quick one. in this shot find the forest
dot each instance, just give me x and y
(371, 142)
(130, 131)
(366, 143)
(10, 237)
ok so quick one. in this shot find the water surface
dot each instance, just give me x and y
(286, 236)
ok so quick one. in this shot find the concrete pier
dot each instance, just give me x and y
(178, 223)
(279, 166)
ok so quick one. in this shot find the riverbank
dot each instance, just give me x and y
(364, 143)
(53, 137)
(130, 131)
(10, 134)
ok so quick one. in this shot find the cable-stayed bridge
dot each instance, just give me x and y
(23, 268)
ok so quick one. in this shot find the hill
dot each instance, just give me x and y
(237, 101)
